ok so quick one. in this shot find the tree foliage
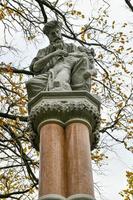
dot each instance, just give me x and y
(127, 193)
(19, 162)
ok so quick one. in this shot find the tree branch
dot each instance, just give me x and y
(14, 117)
(14, 70)
(4, 196)
(22, 153)
(43, 11)
(128, 2)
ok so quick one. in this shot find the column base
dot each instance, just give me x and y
(73, 197)
(52, 197)
(81, 197)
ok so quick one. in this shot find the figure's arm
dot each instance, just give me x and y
(39, 64)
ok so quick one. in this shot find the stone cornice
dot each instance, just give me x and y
(63, 108)
(70, 94)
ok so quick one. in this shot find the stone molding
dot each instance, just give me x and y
(52, 197)
(81, 197)
(73, 197)
(64, 124)
(64, 108)
(69, 94)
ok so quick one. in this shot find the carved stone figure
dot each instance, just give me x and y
(60, 66)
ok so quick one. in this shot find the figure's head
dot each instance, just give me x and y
(53, 30)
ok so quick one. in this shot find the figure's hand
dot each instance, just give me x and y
(60, 52)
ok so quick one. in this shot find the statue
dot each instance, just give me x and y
(60, 66)
(63, 115)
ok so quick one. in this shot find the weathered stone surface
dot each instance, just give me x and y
(63, 108)
(60, 66)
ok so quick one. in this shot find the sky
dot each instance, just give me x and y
(110, 178)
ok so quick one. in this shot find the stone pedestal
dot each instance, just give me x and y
(65, 124)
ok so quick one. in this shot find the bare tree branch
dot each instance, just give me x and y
(14, 117)
(4, 196)
(128, 2)
(14, 70)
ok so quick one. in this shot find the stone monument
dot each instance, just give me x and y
(64, 117)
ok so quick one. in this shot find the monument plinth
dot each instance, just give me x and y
(65, 125)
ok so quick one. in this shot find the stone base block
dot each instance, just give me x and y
(73, 197)
(81, 197)
(52, 197)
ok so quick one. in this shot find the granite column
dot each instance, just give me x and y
(65, 124)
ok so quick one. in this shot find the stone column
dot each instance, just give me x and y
(65, 122)
(79, 170)
(52, 177)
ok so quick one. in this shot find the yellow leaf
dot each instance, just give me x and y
(88, 35)
(117, 65)
(22, 110)
(120, 104)
(1, 122)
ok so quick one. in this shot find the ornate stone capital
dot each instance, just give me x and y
(64, 108)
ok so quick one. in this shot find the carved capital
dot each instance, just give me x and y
(64, 108)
